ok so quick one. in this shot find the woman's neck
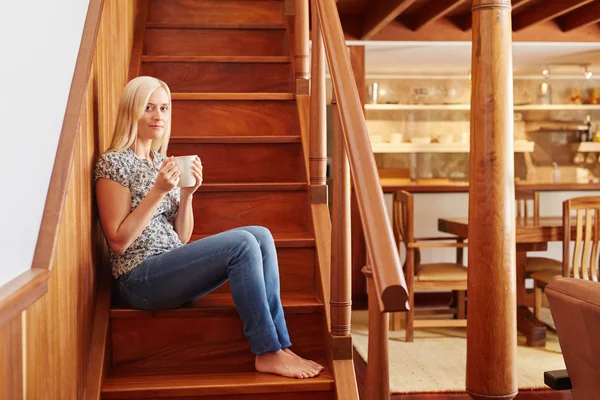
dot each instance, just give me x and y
(142, 149)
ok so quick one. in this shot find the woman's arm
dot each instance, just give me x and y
(121, 227)
(184, 220)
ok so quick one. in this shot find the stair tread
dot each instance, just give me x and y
(207, 25)
(219, 302)
(236, 139)
(253, 187)
(233, 96)
(211, 384)
(281, 240)
(219, 59)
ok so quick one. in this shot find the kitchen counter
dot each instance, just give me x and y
(390, 185)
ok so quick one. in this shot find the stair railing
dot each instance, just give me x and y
(353, 158)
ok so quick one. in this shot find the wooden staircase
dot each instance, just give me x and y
(228, 65)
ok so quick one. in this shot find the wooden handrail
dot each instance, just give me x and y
(390, 287)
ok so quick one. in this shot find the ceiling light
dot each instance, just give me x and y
(545, 72)
(587, 73)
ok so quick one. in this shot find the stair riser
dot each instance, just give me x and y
(281, 212)
(215, 42)
(296, 270)
(216, 77)
(216, 12)
(243, 162)
(261, 396)
(234, 118)
(203, 343)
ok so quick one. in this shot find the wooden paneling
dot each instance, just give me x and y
(230, 12)
(11, 359)
(216, 42)
(58, 326)
(222, 77)
(213, 118)
(246, 162)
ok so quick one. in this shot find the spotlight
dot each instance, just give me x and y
(587, 73)
(545, 72)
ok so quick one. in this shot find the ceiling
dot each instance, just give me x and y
(430, 58)
(401, 19)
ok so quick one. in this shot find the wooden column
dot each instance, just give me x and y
(11, 360)
(377, 381)
(301, 60)
(341, 286)
(318, 115)
(492, 328)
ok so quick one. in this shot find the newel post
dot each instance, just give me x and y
(492, 325)
(301, 61)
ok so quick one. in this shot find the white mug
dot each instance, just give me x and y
(184, 164)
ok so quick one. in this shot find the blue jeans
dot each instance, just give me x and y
(246, 256)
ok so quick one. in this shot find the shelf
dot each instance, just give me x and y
(520, 147)
(586, 147)
(466, 107)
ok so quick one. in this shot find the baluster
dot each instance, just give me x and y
(301, 61)
(377, 381)
(318, 116)
(492, 328)
(341, 286)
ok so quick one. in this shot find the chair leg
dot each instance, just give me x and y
(460, 304)
(537, 306)
(410, 318)
(395, 318)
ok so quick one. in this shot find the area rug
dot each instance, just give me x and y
(435, 361)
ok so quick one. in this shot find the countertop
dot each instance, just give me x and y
(441, 186)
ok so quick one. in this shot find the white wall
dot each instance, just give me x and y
(38, 50)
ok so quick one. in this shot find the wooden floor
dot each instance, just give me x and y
(360, 367)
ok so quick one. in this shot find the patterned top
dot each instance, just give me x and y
(139, 175)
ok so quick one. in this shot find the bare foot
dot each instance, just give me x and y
(310, 363)
(284, 364)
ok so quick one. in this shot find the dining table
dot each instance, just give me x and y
(531, 234)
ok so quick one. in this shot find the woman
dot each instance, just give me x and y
(147, 221)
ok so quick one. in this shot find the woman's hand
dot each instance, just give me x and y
(197, 172)
(168, 176)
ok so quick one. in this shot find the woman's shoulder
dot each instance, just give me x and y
(115, 165)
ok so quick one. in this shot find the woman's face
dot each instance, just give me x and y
(151, 124)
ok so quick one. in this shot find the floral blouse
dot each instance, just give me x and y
(139, 175)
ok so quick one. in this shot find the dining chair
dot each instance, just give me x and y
(524, 199)
(434, 276)
(584, 261)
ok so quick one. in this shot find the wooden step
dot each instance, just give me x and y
(229, 386)
(223, 76)
(235, 139)
(283, 240)
(214, 25)
(246, 162)
(282, 211)
(217, 59)
(216, 42)
(206, 336)
(217, 12)
(234, 116)
(233, 96)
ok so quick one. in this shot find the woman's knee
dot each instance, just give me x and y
(261, 233)
(245, 242)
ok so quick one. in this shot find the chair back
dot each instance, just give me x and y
(575, 306)
(584, 262)
(403, 225)
(523, 199)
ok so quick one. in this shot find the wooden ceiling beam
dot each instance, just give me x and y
(550, 10)
(432, 11)
(384, 12)
(465, 21)
(586, 15)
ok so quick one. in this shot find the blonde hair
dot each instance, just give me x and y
(132, 105)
